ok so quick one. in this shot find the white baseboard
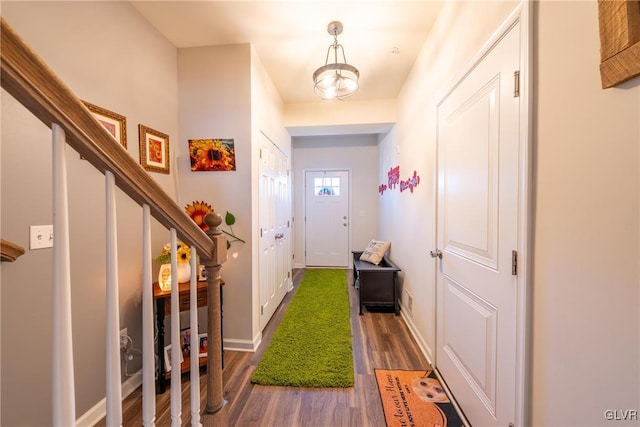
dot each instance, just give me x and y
(99, 411)
(414, 332)
(242, 345)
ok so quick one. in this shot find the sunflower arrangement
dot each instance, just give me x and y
(197, 211)
(184, 254)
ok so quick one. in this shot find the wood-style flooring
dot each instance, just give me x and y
(380, 340)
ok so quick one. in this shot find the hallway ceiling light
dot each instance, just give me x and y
(337, 80)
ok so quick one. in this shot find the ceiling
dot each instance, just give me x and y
(291, 38)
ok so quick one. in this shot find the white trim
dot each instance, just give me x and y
(233, 344)
(416, 335)
(525, 205)
(99, 410)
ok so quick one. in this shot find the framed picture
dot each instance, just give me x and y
(114, 123)
(202, 273)
(185, 342)
(212, 154)
(154, 149)
(203, 345)
(167, 358)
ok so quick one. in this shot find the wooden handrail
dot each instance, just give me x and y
(30, 81)
(10, 251)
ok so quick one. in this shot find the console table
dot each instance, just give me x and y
(163, 308)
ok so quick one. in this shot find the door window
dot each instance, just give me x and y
(326, 186)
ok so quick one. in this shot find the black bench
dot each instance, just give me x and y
(376, 283)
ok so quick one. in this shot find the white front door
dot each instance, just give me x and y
(479, 179)
(275, 262)
(327, 218)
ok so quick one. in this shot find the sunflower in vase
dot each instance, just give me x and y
(184, 267)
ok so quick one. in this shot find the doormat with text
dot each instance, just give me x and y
(415, 398)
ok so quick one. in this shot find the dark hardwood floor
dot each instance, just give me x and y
(380, 340)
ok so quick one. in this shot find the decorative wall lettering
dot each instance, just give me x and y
(410, 183)
(393, 177)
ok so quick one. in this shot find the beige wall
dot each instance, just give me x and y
(137, 80)
(585, 286)
(209, 109)
(225, 93)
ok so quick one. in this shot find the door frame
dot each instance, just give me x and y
(304, 210)
(523, 14)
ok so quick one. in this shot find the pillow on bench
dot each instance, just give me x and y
(375, 251)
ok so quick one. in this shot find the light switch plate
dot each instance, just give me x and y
(40, 236)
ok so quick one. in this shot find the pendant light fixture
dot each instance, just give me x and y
(337, 80)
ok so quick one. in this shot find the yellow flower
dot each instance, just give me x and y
(184, 253)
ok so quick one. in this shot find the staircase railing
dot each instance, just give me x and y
(32, 83)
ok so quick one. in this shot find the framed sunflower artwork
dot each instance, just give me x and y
(154, 149)
(114, 123)
(212, 154)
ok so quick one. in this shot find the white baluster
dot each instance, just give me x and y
(176, 350)
(148, 353)
(195, 343)
(114, 387)
(64, 401)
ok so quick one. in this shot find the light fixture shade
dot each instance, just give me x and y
(337, 80)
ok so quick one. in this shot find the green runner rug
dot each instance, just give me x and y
(312, 345)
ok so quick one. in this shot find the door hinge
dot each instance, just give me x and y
(260, 231)
(261, 153)
(516, 84)
(288, 274)
(288, 224)
(514, 263)
(261, 310)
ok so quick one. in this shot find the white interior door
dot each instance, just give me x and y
(477, 232)
(275, 262)
(327, 218)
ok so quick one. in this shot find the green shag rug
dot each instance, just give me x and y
(312, 345)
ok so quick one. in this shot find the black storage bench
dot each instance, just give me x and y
(376, 283)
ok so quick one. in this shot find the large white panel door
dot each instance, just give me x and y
(327, 218)
(477, 232)
(275, 267)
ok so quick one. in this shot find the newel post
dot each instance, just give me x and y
(215, 400)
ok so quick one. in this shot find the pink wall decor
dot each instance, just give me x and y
(394, 177)
(410, 183)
